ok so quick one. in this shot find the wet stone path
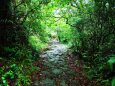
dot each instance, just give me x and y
(57, 72)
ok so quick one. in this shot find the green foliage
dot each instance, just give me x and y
(36, 43)
(93, 34)
(17, 74)
(64, 33)
(22, 20)
(111, 62)
(105, 82)
(6, 75)
(113, 82)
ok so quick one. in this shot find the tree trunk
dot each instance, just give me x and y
(5, 24)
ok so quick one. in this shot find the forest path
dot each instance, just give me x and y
(55, 53)
(56, 68)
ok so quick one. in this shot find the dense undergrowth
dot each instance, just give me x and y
(86, 26)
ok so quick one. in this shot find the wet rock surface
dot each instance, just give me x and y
(57, 71)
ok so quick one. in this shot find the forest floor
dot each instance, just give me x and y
(59, 68)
